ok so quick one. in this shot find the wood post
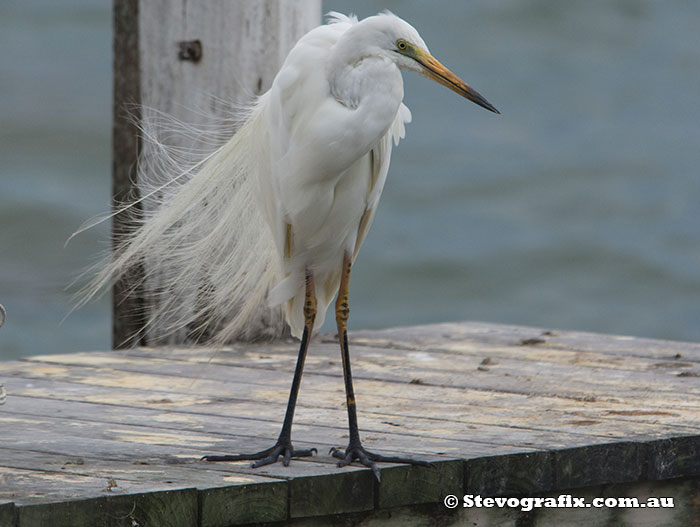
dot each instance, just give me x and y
(187, 59)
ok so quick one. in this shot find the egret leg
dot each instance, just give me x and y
(284, 447)
(355, 450)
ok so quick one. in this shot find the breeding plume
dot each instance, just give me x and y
(277, 214)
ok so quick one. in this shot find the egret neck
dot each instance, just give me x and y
(371, 89)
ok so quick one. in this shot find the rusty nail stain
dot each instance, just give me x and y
(190, 50)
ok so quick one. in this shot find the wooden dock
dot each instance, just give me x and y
(114, 438)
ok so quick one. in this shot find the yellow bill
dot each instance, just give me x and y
(435, 70)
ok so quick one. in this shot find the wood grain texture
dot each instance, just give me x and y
(243, 45)
(7, 514)
(89, 436)
(127, 306)
(411, 485)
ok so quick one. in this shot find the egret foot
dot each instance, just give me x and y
(266, 457)
(357, 452)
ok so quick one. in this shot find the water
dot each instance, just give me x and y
(577, 208)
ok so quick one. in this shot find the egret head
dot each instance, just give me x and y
(396, 38)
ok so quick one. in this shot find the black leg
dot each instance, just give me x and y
(355, 450)
(284, 447)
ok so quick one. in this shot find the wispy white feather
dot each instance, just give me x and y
(206, 252)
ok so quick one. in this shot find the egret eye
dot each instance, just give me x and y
(402, 44)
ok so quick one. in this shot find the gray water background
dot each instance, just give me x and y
(577, 208)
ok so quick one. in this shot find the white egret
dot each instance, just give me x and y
(278, 213)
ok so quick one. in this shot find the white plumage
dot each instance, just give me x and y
(292, 191)
(329, 160)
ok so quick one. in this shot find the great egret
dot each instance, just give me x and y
(278, 213)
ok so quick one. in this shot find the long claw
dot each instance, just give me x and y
(365, 458)
(346, 460)
(268, 456)
(397, 459)
(238, 457)
(362, 458)
(368, 459)
(266, 460)
(375, 470)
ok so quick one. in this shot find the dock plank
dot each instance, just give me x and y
(499, 409)
(317, 424)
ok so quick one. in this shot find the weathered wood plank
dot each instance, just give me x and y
(510, 475)
(507, 375)
(175, 475)
(79, 513)
(599, 464)
(262, 375)
(602, 416)
(334, 494)
(170, 508)
(231, 496)
(7, 514)
(582, 414)
(382, 428)
(224, 432)
(459, 404)
(167, 445)
(442, 336)
(240, 504)
(410, 485)
(158, 443)
(379, 424)
(153, 446)
(426, 366)
(674, 457)
(26, 487)
(454, 348)
(519, 425)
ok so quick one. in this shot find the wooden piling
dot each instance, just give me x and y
(190, 60)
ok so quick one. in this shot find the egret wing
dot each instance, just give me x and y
(379, 163)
